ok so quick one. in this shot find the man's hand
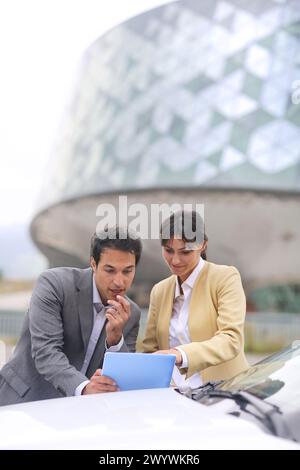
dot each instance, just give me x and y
(117, 317)
(176, 352)
(99, 384)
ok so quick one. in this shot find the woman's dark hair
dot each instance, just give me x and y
(186, 225)
(116, 238)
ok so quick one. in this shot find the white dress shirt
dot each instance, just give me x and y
(99, 320)
(179, 330)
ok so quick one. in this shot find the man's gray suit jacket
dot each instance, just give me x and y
(54, 339)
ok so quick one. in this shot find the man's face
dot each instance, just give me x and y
(114, 273)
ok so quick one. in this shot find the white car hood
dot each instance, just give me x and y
(142, 419)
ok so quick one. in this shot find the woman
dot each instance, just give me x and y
(198, 313)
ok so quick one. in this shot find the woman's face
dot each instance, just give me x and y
(180, 260)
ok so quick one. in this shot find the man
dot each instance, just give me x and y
(75, 316)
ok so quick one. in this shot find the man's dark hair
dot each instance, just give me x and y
(115, 238)
(186, 225)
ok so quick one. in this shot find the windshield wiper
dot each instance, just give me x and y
(269, 414)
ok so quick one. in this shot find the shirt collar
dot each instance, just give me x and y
(190, 281)
(96, 295)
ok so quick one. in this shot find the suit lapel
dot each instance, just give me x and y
(197, 317)
(164, 318)
(84, 289)
(98, 354)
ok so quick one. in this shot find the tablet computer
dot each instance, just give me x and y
(134, 371)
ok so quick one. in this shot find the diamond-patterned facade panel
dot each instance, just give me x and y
(188, 94)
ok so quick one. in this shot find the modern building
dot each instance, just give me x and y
(192, 102)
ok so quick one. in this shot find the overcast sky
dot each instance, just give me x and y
(41, 43)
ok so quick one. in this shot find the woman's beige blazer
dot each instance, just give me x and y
(216, 322)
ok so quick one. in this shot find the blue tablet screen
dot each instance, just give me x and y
(133, 371)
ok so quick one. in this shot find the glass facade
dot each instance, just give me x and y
(191, 94)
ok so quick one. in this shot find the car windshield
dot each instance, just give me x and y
(276, 378)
